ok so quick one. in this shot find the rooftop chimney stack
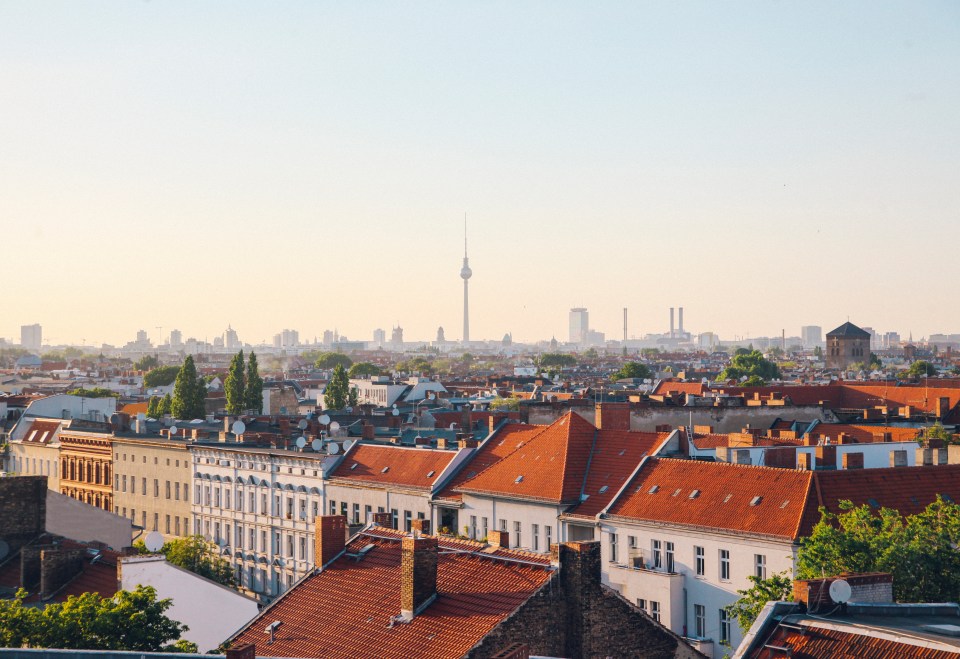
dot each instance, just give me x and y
(680, 321)
(418, 574)
(331, 538)
(672, 333)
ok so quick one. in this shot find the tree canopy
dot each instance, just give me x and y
(918, 550)
(234, 387)
(775, 588)
(749, 363)
(557, 360)
(338, 389)
(130, 620)
(509, 404)
(161, 376)
(415, 365)
(194, 553)
(146, 363)
(189, 392)
(921, 368)
(328, 360)
(633, 370)
(254, 391)
(364, 370)
(96, 392)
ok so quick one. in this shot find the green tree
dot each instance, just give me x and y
(364, 370)
(234, 387)
(146, 363)
(96, 392)
(875, 362)
(921, 368)
(591, 353)
(161, 376)
(353, 397)
(633, 370)
(154, 407)
(254, 393)
(750, 363)
(509, 404)
(166, 407)
(188, 392)
(338, 389)
(939, 433)
(194, 553)
(776, 588)
(754, 381)
(130, 620)
(818, 352)
(918, 550)
(328, 360)
(556, 360)
(415, 365)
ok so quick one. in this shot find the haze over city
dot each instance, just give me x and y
(764, 165)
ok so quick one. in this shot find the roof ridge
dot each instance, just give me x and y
(722, 464)
(542, 430)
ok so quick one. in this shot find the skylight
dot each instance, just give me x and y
(385, 470)
(677, 491)
(519, 479)
(727, 498)
(353, 466)
(755, 501)
(784, 504)
(431, 473)
(694, 494)
(604, 489)
(654, 489)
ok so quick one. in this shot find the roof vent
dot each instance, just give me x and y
(654, 489)
(755, 501)
(385, 470)
(519, 479)
(584, 497)
(694, 494)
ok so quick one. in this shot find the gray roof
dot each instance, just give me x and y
(850, 331)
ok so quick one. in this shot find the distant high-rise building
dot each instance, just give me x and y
(579, 324)
(465, 274)
(231, 340)
(176, 338)
(811, 335)
(31, 336)
(440, 335)
(327, 337)
(379, 337)
(396, 337)
(288, 338)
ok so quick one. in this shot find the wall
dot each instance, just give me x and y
(30, 459)
(85, 523)
(194, 599)
(53, 406)
(23, 509)
(165, 464)
(524, 512)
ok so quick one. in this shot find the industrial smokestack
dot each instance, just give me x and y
(671, 323)
(624, 324)
(681, 321)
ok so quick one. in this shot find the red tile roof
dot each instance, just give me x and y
(666, 387)
(864, 434)
(821, 642)
(393, 465)
(717, 495)
(345, 611)
(41, 432)
(491, 451)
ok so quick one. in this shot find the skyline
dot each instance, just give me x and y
(765, 166)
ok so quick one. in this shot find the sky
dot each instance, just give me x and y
(308, 165)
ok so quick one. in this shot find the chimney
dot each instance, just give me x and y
(498, 539)
(491, 423)
(368, 431)
(680, 321)
(441, 443)
(421, 526)
(246, 651)
(466, 441)
(227, 423)
(418, 574)
(465, 424)
(612, 416)
(671, 323)
(331, 538)
(383, 519)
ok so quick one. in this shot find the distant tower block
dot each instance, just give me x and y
(672, 331)
(624, 324)
(680, 320)
(440, 337)
(465, 274)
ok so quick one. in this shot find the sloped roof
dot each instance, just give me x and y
(818, 641)
(345, 611)
(549, 467)
(850, 331)
(41, 432)
(393, 465)
(717, 495)
(665, 387)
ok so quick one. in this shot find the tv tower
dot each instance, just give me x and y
(465, 274)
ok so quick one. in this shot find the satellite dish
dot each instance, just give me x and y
(316, 445)
(394, 406)
(302, 425)
(4, 550)
(301, 442)
(396, 412)
(333, 448)
(153, 541)
(238, 427)
(347, 445)
(173, 430)
(840, 591)
(334, 427)
(453, 426)
(325, 419)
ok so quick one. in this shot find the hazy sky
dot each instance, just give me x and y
(307, 165)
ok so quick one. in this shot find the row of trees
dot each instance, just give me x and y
(920, 551)
(244, 386)
(130, 620)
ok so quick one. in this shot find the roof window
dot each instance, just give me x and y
(385, 470)
(584, 497)
(677, 491)
(604, 489)
(727, 498)
(755, 501)
(353, 466)
(654, 489)
(622, 451)
(519, 479)
(431, 473)
(694, 494)
(784, 504)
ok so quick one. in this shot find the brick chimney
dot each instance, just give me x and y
(612, 416)
(498, 539)
(368, 430)
(383, 519)
(466, 441)
(246, 651)
(331, 538)
(418, 574)
(421, 526)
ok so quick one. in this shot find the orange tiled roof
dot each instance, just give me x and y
(393, 465)
(717, 495)
(817, 642)
(549, 467)
(666, 387)
(864, 434)
(345, 611)
(494, 449)
(134, 408)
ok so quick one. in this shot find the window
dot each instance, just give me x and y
(356, 513)
(333, 507)
(290, 546)
(548, 536)
(503, 525)
(239, 539)
(176, 525)
(724, 565)
(343, 508)
(396, 518)
(699, 561)
(216, 532)
(613, 547)
(760, 566)
(253, 540)
(303, 548)
(483, 527)
(156, 488)
(407, 521)
(671, 564)
(124, 482)
(724, 626)
(535, 530)
(185, 490)
(368, 514)
(655, 610)
(167, 488)
(516, 531)
(167, 525)
(657, 555)
(143, 487)
(216, 497)
(473, 527)
(700, 620)
(642, 604)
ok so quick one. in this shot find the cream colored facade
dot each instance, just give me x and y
(35, 449)
(151, 483)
